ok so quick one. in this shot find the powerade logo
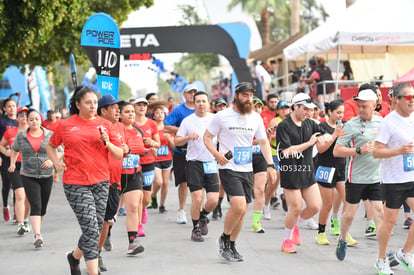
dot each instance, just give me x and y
(100, 37)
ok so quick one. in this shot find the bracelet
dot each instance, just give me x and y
(272, 165)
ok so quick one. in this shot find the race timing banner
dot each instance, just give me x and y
(101, 41)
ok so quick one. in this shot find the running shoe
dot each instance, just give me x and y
(257, 228)
(102, 267)
(391, 258)
(321, 239)
(26, 226)
(38, 241)
(266, 212)
(296, 238)
(335, 227)
(203, 227)
(311, 224)
(288, 247)
(122, 211)
(144, 218)
(141, 232)
(108, 244)
(274, 202)
(371, 231)
(196, 235)
(6, 214)
(284, 203)
(154, 202)
(135, 247)
(162, 209)
(383, 267)
(341, 250)
(20, 229)
(223, 247)
(405, 259)
(181, 218)
(407, 223)
(235, 254)
(351, 241)
(73, 264)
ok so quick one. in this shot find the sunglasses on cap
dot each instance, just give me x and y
(308, 100)
(407, 97)
(22, 114)
(244, 88)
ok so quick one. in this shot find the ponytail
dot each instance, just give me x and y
(76, 97)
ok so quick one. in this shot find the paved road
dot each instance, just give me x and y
(168, 249)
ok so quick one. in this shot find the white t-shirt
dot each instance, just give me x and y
(196, 149)
(394, 132)
(236, 132)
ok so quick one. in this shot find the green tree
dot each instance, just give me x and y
(45, 32)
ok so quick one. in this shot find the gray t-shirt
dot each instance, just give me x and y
(362, 169)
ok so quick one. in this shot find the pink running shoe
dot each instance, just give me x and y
(296, 238)
(141, 232)
(288, 247)
(144, 218)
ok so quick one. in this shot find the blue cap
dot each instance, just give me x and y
(107, 100)
(282, 104)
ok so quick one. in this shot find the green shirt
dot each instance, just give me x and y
(363, 169)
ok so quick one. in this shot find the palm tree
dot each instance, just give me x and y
(295, 18)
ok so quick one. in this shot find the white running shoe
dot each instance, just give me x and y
(181, 218)
(311, 224)
(266, 212)
(405, 259)
(383, 266)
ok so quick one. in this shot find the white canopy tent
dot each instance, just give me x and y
(365, 24)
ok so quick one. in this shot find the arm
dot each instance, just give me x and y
(208, 142)
(170, 129)
(179, 140)
(3, 150)
(294, 149)
(52, 153)
(380, 151)
(13, 157)
(323, 147)
(170, 141)
(267, 154)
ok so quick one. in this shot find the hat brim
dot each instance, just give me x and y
(365, 99)
(309, 105)
(157, 103)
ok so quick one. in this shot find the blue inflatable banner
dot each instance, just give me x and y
(101, 41)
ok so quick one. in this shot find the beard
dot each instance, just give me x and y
(244, 108)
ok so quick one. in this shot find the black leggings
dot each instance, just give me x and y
(38, 193)
(5, 178)
(88, 202)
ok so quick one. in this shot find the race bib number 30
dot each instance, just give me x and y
(408, 162)
(162, 151)
(132, 161)
(242, 155)
(325, 174)
(210, 167)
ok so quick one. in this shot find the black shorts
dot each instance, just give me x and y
(131, 182)
(259, 163)
(179, 164)
(197, 179)
(339, 175)
(356, 192)
(163, 165)
(237, 183)
(396, 193)
(148, 174)
(112, 203)
(15, 178)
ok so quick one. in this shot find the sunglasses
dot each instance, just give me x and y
(408, 97)
(22, 114)
(309, 100)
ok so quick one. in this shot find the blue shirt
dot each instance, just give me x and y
(175, 118)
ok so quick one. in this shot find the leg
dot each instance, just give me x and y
(132, 201)
(196, 204)
(20, 204)
(234, 217)
(312, 197)
(409, 244)
(164, 187)
(182, 195)
(158, 179)
(294, 202)
(327, 195)
(347, 218)
(258, 189)
(384, 231)
(212, 199)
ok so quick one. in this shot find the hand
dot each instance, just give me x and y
(367, 147)
(125, 149)
(338, 130)
(11, 168)
(60, 166)
(313, 139)
(153, 151)
(148, 141)
(221, 159)
(324, 139)
(47, 164)
(105, 138)
(193, 136)
(407, 149)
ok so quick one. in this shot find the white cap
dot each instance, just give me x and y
(141, 99)
(303, 99)
(190, 87)
(367, 94)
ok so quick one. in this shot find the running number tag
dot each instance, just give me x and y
(132, 161)
(242, 155)
(148, 177)
(408, 162)
(325, 174)
(162, 151)
(256, 149)
(210, 167)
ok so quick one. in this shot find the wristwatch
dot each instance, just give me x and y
(358, 150)
(272, 165)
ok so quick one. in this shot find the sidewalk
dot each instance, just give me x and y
(169, 250)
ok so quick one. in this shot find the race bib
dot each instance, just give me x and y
(325, 174)
(162, 151)
(242, 155)
(408, 161)
(148, 177)
(210, 167)
(256, 149)
(132, 161)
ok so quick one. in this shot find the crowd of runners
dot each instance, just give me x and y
(117, 159)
